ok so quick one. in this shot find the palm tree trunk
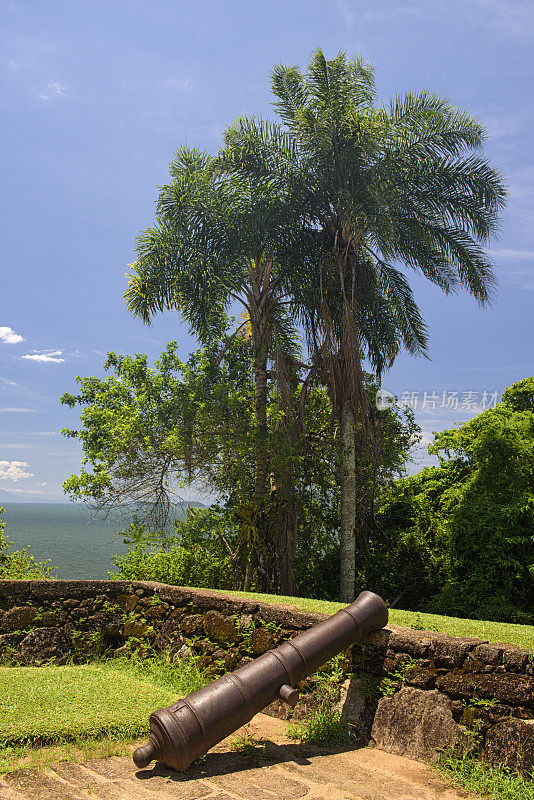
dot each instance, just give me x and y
(261, 471)
(262, 458)
(347, 505)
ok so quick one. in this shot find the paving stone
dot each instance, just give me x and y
(38, 786)
(261, 784)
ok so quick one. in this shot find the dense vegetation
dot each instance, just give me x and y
(309, 224)
(463, 532)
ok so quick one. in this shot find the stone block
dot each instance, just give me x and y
(220, 628)
(509, 688)
(451, 651)
(135, 628)
(416, 643)
(490, 653)
(128, 601)
(17, 618)
(43, 644)
(51, 590)
(262, 640)
(191, 624)
(515, 659)
(417, 724)
(423, 677)
(14, 588)
(511, 744)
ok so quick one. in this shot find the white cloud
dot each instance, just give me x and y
(12, 384)
(41, 483)
(53, 89)
(46, 357)
(506, 253)
(18, 411)
(13, 470)
(8, 335)
(182, 84)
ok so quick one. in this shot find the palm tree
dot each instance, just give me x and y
(388, 188)
(222, 238)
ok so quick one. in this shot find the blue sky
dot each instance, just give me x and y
(95, 98)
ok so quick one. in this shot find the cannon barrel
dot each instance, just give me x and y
(186, 730)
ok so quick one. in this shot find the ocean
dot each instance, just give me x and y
(78, 544)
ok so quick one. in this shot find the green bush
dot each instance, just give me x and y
(195, 556)
(18, 564)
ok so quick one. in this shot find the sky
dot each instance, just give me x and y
(96, 96)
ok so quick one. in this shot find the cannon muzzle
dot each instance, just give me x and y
(186, 730)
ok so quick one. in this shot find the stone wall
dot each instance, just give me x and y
(409, 692)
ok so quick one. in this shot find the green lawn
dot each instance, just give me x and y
(522, 635)
(49, 705)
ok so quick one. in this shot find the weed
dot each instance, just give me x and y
(485, 705)
(391, 684)
(248, 745)
(419, 624)
(369, 687)
(474, 775)
(321, 724)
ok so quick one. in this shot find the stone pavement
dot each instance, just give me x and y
(287, 771)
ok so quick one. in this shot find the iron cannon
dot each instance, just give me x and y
(186, 730)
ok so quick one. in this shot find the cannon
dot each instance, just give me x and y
(186, 730)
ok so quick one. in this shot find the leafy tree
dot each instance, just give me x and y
(386, 188)
(19, 564)
(466, 527)
(221, 238)
(147, 431)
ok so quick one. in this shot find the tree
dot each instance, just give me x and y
(388, 188)
(222, 238)
(148, 431)
(465, 529)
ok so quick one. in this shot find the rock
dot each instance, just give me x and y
(43, 644)
(423, 677)
(511, 744)
(50, 619)
(220, 628)
(510, 688)
(111, 631)
(451, 651)
(191, 624)
(262, 640)
(169, 637)
(127, 601)
(184, 654)
(515, 659)
(417, 724)
(356, 713)
(135, 628)
(18, 618)
(490, 653)
(121, 651)
(155, 612)
(246, 621)
(409, 641)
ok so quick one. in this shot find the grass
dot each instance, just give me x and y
(94, 710)
(472, 774)
(321, 725)
(521, 635)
